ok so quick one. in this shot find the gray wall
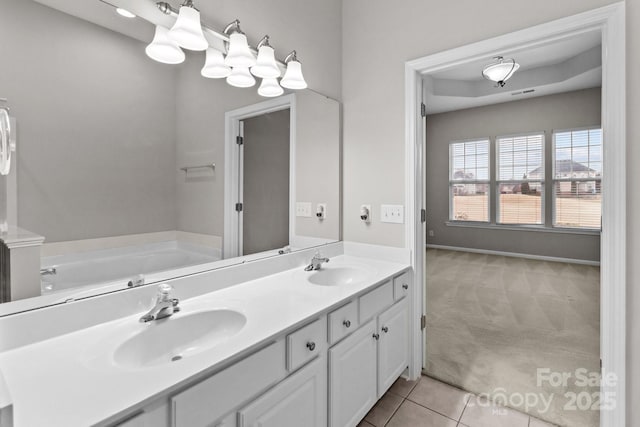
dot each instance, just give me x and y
(546, 113)
(95, 133)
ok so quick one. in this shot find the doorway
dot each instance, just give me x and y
(267, 127)
(263, 197)
(611, 21)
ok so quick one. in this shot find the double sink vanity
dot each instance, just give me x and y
(270, 344)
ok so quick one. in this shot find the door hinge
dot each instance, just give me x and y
(423, 321)
(423, 109)
(239, 140)
(238, 207)
(423, 215)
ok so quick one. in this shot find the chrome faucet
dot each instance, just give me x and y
(164, 306)
(50, 271)
(316, 262)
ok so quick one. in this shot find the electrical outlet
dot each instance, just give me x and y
(431, 233)
(303, 209)
(392, 213)
(365, 213)
(321, 211)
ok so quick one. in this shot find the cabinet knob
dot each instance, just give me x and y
(385, 329)
(346, 323)
(405, 286)
(376, 336)
(311, 346)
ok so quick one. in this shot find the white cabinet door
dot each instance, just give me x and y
(300, 400)
(393, 327)
(352, 377)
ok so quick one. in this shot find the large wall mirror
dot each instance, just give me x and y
(131, 169)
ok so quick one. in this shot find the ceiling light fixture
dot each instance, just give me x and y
(239, 65)
(125, 13)
(163, 49)
(293, 78)
(501, 70)
(187, 31)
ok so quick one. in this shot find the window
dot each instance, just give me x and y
(577, 174)
(469, 181)
(520, 179)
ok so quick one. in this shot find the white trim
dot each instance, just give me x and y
(524, 227)
(515, 255)
(232, 244)
(611, 21)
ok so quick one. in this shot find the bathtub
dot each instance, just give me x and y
(87, 271)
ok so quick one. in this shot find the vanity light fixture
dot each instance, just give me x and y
(214, 66)
(163, 49)
(239, 65)
(266, 67)
(124, 12)
(239, 54)
(187, 31)
(501, 70)
(270, 88)
(293, 78)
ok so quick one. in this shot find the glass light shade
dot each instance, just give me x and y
(500, 71)
(241, 77)
(163, 49)
(266, 66)
(214, 66)
(187, 31)
(293, 78)
(270, 88)
(239, 54)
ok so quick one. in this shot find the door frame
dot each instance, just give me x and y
(610, 20)
(231, 240)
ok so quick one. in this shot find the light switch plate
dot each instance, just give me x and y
(303, 209)
(392, 213)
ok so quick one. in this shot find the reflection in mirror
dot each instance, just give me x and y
(123, 165)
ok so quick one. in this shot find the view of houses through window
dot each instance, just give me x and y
(520, 176)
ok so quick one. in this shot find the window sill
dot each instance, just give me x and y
(535, 228)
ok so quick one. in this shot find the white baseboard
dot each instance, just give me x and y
(516, 255)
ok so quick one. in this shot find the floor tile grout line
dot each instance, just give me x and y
(464, 409)
(432, 410)
(394, 412)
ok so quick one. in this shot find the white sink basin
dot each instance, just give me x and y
(173, 338)
(337, 276)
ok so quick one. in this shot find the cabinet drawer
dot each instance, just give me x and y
(401, 286)
(375, 301)
(305, 344)
(342, 322)
(206, 402)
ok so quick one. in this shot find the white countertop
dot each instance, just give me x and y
(72, 380)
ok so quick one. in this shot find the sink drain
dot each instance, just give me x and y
(176, 358)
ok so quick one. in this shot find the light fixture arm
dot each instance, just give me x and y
(235, 26)
(293, 56)
(264, 42)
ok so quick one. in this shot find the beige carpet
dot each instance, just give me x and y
(492, 321)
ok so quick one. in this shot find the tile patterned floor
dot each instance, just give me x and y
(431, 403)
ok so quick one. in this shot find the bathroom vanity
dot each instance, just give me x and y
(278, 347)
